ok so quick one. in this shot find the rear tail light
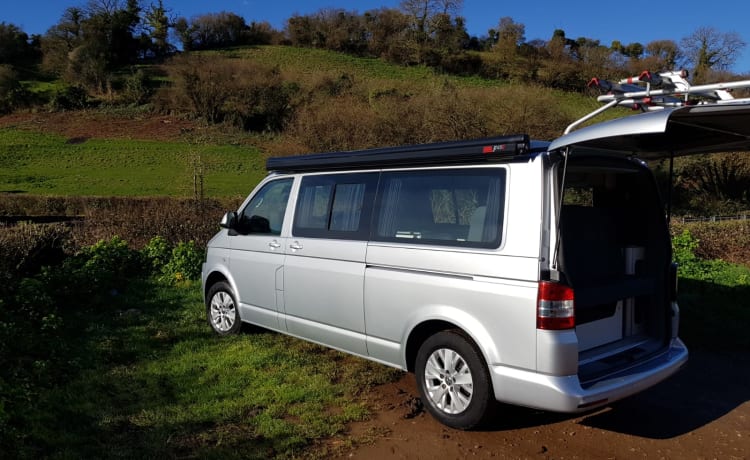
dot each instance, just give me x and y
(555, 307)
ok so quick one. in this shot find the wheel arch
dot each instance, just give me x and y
(217, 276)
(422, 331)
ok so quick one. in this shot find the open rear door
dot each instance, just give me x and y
(612, 245)
(677, 131)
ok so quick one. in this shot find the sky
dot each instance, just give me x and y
(626, 21)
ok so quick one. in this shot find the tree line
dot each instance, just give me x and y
(91, 42)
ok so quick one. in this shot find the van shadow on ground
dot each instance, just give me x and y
(709, 387)
(714, 322)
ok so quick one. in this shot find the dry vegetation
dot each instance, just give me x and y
(136, 220)
(728, 240)
(326, 111)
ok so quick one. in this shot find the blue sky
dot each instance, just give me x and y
(626, 21)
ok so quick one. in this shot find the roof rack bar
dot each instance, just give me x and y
(672, 90)
(700, 90)
(591, 115)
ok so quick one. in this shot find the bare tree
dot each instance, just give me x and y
(422, 11)
(450, 7)
(709, 49)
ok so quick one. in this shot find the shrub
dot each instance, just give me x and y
(157, 254)
(185, 262)
(104, 265)
(12, 94)
(727, 240)
(136, 89)
(68, 98)
(684, 247)
(244, 93)
(25, 248)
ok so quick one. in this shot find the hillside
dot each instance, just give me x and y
(155, 150)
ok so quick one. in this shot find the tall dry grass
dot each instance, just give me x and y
(367, 116)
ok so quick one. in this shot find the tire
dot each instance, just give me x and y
(453, 380)
(221, 309)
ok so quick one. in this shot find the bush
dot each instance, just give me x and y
(685, 246)
(68, 98)
(136, 89)
(156, 254)
(185, 262)
(244, 93)
(173, 264)
(727, 240)
(25, 248)
(12, 94)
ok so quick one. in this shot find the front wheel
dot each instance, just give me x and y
(221, 309)
(454, 381)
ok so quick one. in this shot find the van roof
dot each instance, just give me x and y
(500, 148)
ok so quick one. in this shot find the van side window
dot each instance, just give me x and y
(462, 207)
(335, 206)
(264, 214)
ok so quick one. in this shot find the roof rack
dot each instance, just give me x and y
(442, 153)
(657, 91)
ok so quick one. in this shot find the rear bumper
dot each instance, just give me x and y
(565, 393)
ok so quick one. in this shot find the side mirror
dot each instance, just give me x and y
(229, 220)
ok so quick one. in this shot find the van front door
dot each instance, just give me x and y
(257, 258)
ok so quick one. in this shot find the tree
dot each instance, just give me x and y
(61, 39)
(15, 48)
(87, 44)
(431, 29)
(386, 29)
(510, 35)
(708, 49)
(156, 19)
(662, 55)
(212, 30)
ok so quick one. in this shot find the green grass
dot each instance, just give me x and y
(43, 87)
(47, 164)
(305, 61)
(714, 298)
(155, 382)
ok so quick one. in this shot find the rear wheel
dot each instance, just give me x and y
(221, 309)
(454, 381)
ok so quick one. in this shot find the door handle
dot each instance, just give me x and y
(274, 244)
(296, 246)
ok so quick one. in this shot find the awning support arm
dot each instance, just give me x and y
(558, 210)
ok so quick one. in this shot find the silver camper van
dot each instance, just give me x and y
(498, 269)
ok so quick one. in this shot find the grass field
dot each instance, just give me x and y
(50, 164)
(150, 380)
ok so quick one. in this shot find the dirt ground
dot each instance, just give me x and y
(82, 124)
(702, 412)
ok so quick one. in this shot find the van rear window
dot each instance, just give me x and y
(462, 207)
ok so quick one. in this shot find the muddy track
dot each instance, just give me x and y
(702, 412)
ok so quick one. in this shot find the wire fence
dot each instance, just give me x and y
(713, 218)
